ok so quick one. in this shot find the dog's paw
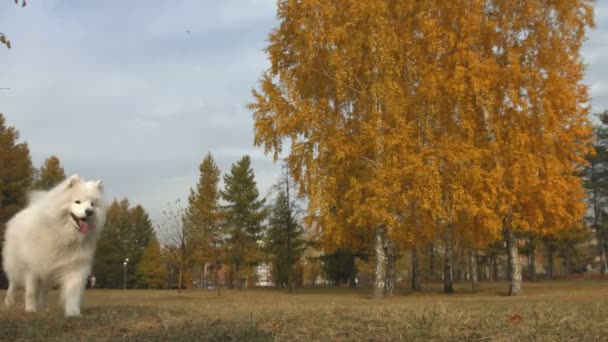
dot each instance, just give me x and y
(8, 302)
(72, 313)
(29, 308)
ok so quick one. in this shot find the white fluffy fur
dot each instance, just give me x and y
(44, 247)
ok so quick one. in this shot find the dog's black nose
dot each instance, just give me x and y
(89, 212)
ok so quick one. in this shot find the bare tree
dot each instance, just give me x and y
(177, 238)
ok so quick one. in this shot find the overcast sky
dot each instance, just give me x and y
(137, 92)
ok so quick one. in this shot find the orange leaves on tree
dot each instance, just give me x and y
(420, 114)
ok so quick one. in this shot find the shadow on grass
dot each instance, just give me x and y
(124, 323)
(15, 324)
(367, 292)
(203, 330)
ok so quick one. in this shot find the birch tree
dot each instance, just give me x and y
(430, 118)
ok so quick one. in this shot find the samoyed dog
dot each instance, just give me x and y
(52, 242)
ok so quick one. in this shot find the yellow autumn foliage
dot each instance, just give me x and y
(419, 115)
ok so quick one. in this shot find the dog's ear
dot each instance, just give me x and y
(99, 185)
(73, 180)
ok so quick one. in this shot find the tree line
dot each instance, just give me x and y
(223, 235)
(230, 227)
(232, 230)
(416, 130)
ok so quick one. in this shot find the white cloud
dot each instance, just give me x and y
(120, 91)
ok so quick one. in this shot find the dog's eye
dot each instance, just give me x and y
(77, 202)
(92, 204)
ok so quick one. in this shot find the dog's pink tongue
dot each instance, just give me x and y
(84, 226)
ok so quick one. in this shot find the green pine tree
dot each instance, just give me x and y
(127, 232)
(244, 213)
(110, 255)
(284, 236)
(568, 248)
(151, 272)
(596, 183)
(139, 232)
(339, 266)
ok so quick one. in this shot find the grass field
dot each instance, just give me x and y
(547, 311)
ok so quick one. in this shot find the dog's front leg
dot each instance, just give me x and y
(9, 300)
(72, 288)
(43, 293)
(31, 292)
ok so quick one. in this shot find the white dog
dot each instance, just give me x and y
(52, 242)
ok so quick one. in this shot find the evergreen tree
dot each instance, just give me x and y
(243, 214)
(596, 183)
(15, 178)
(567, 248)
(550, 247)
(284, 241)
(50, 174)
(202, 215)
(339, 267)
(139, 232)
(126, 234)
(284, 235)
(110, 254)
(151, 272)
(123, 225)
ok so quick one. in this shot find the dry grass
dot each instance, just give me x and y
(547, 311)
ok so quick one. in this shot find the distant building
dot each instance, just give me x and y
(263, 275)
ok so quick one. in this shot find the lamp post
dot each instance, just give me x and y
(124, 264)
